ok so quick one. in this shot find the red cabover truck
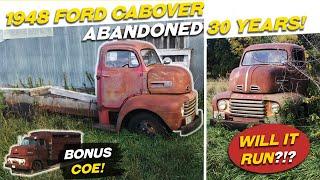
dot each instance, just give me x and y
(137, 90)
(268, 76)
(40, 149)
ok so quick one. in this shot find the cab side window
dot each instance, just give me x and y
(298, 57)
(121, 59)
(42, 142)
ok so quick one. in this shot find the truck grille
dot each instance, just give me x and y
(254, 88)
(190, 107)
(247, 108)
(239, 88)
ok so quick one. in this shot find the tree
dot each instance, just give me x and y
(220, 59)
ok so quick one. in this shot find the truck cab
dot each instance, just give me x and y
(267, 77)
(135, 89)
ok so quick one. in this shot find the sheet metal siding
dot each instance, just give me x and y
(51, 57)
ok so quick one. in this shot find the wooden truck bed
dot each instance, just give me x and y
(53, 99)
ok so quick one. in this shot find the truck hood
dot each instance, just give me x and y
(21, 150)
(169, 80)
(257, 79)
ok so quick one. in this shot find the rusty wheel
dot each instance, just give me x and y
(148, 124)
(36, 166)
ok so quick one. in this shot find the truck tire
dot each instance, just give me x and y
(148, 124)
(36, 166)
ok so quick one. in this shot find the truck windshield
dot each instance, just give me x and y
(28, 141)
(264, 57)
(150, 57)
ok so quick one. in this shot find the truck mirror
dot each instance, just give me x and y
(167, 60)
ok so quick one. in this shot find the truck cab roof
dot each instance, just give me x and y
(285, 46)
(135, 44)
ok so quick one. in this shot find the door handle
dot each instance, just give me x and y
(158, 84)
(104, 75)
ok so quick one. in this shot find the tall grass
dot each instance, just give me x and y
(220, 167)
(214, 86)
(144, 158)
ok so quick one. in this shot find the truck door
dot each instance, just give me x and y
(42, 150)
(119, 76)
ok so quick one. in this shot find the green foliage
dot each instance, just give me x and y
(90, 78)
(2, 103)
(66, 83)
(30, 83)
(305, 114)
(220, 58)
(201, 99)
(219, 165)
(293, 113)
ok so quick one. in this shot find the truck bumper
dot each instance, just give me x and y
(27, 165)
(17, 166)
(233, 124)
(192, 127)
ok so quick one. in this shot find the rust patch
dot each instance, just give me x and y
(169, 80)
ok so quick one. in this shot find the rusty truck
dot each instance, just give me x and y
(135, 88)
(40, 150)
(269, 75)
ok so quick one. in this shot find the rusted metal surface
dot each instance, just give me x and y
(160, 89)
(115, 85)
(266, 79)
(244, 79)
(168, 107)
(169, 80)
(253, 88)
(50, 102)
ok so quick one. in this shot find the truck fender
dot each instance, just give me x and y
(151, 103)
(281, 98)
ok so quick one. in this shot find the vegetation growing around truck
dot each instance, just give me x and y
(143, 157)
(223, 56)
(220, 167)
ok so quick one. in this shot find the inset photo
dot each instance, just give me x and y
(39, 151)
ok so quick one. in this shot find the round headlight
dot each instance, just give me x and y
(222, 105)
(275, 107)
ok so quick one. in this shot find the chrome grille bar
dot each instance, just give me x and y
(190, 107)
(247, 108)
